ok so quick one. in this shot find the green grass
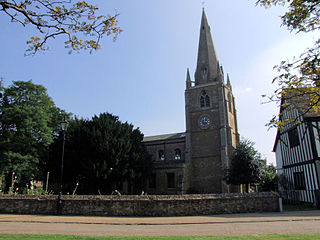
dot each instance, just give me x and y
(244, 237)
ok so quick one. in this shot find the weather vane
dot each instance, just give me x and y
(203, 4)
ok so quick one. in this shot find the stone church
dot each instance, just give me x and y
(193, 161)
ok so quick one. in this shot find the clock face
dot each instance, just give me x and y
(204, 122)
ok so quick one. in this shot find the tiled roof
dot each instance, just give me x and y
(301, 102)
(164, 137)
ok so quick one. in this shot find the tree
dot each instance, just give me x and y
(61, 18)
(100, 154)
(246, 165)
(300, 77)
(268, 180)
(28, 122)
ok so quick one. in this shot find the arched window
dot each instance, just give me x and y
(204, 73)
(207, 101)
(161, 155)
(177, 154)
(204, 99)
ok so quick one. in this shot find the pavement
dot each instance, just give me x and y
(226, 224)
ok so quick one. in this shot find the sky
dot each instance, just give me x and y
(141, 76)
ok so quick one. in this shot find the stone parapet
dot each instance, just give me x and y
(148, 205)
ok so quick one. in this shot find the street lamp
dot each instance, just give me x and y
(64, 126)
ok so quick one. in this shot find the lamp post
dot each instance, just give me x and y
(63, 125)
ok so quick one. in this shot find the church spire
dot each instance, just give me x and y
(207, 65)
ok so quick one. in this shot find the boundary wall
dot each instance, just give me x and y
(148, 205)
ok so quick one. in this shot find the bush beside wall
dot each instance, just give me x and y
(149, 205)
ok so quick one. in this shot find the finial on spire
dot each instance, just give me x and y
(203, 4)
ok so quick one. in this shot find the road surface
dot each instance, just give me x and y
(228, 224)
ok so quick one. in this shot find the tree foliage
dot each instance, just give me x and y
(268, 179)
(28, 122)
(100, 154)
(301, 75)
(303, 15)
(246, 164)
(77, 20)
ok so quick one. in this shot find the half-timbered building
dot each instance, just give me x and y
(297, 149)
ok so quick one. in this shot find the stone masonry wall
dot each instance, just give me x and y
(149, 205)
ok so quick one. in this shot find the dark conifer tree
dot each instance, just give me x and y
(246, 165)
(101, 154)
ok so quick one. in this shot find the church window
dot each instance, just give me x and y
(161, 155)
(170, 180)
(205, 70)
(207, 101)
(201, 101)
(204, 99)
(177, 154)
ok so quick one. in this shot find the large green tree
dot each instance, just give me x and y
(246, 165)
(28, 122)
(100, 154)
(301, 76)
(78, 21)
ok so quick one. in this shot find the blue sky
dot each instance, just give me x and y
(141, 76)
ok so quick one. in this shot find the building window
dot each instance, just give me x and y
(204, 73)
(299, 182)
(293, 137)
(207, 101)
(177, 154)
(170, 180)
(152, 181)
(161, 155)
(204, 99)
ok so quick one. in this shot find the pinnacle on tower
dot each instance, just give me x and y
(228, 80)
(188, 82)
(207, 64)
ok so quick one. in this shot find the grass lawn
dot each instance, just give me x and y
(244, 237)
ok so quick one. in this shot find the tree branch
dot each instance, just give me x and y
(79, 18)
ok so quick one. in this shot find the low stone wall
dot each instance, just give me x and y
(149, 205)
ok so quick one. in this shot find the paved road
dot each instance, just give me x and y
(231, 224)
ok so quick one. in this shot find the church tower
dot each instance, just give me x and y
(211, 123)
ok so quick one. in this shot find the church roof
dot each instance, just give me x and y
(162, 137)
